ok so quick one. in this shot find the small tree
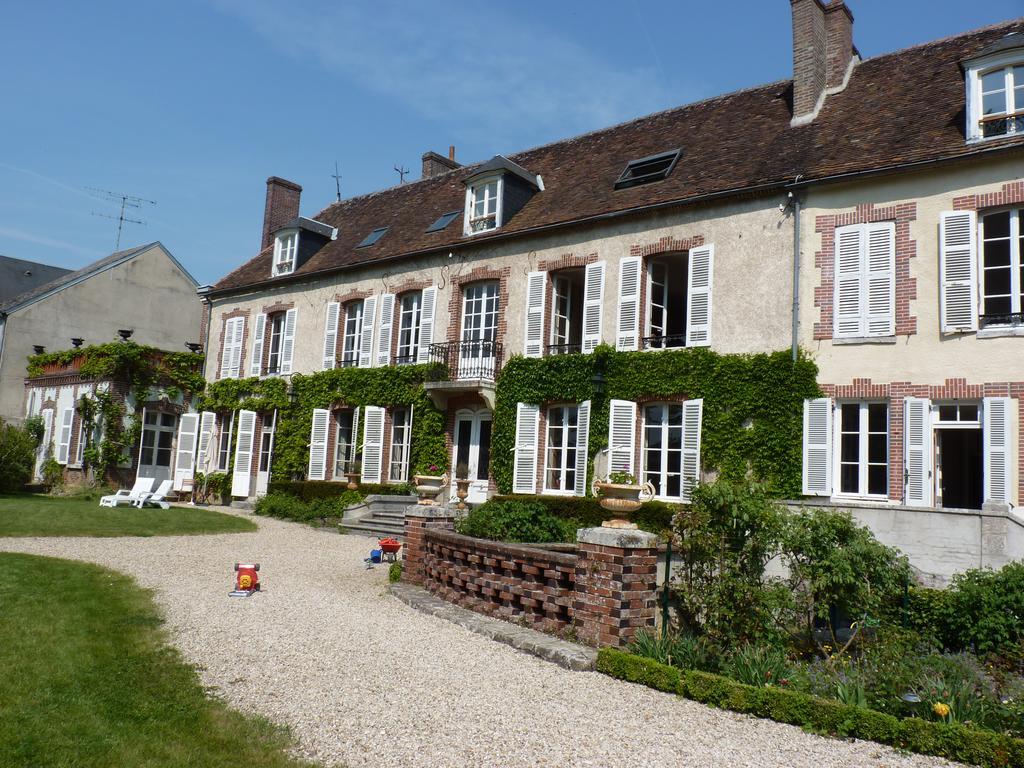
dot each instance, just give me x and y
(17, 457)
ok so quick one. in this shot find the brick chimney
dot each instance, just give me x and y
(435, 164)
(822, 52)
(282, 206)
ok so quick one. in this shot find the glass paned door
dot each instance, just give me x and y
(479, 328)
(266, 454)
(157, 442)
(473, 449)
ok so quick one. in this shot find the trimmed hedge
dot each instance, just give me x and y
(955, 742)
(311, 490)
(654, 516)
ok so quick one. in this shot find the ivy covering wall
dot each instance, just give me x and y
(753, 404)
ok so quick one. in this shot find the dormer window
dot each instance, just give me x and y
(483, 206)
(286, 245)
(995, 90)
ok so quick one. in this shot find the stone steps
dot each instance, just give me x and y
(386, 517)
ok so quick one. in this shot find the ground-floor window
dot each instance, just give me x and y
(401, 433)
(663, 449)
(863, 465)
(266, 446)
(560, 456)
(224, 443)
(157, 439)
(344, 442)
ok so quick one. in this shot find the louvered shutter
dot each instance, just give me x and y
(958, 271)
(698, 297)
(318, 444)
(880, 263)
(185, 452)
(533, 345)
(330, 356)
(67, 416)
(241, 479)
(847, 303)
(582, 447)
(428, 306)
(366, 340)
(228, 355)
(387, 316)
(206, 424)
(524, 470)
(998, 435)
(627, 335)
(373, 443)
(237, 342)
(693, 417)
(256, 362)
(817, 470)
(593, 297)
(917, 435)
(621, 436)
(48, 415)
(142, 420)
(355, 434)
(288, 340)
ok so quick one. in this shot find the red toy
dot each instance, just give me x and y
(247, 579)
(390, 548)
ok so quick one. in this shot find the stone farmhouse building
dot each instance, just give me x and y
(867, 215)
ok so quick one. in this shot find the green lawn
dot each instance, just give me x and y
(53, 516)
(86, 679)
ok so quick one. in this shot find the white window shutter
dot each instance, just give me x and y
(627, 335)
(355, 430)
(847, 305)
(331, 335)
(185, 452)
(207, 421)
(428, 307)
(387, 316)
(533, 344)
(373, 443)
(998, 437)
(366, 340)
(958, 271)
(880, 261)
(67, 416)
(256, 362)
(231, 351)
(242, 476)
(582, 447)
(288, 340)
(621, 436)
(593, 297)
(693, 418)
(48, 414)
(698, 296)
(917, 436)
(524, 470)
(817, 470)
(318, 444)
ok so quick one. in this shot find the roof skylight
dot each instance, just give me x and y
(648, 169)
(373, 237)
(443, 221)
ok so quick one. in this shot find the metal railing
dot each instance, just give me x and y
(480, 359)
(1002, 125)
(563, 349)
(1009, 318)
(669, 341)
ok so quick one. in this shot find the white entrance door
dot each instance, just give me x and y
(266, 454)
(157, 441)
(473, 449)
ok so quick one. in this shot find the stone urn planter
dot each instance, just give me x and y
(353, 480)
(622, 498)
(429, 487)
(462, 490)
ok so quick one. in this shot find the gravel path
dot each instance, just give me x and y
(362, 678)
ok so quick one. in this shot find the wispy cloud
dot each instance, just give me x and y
(449, 59)
(49, 242)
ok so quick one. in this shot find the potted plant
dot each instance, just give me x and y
(429, 486)
(353, 475)
(462, 483)
(623, 494)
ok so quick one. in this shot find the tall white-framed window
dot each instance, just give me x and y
(560, 453)
(663, 449)
(227, 427)
(409, 327)
(157, 439)
(1000, 96)
(1002, 267)
(286, 245)
(345, 426)
(266, 445)
(275, 332)
(483, 205)
(667, 279)
(479, 330)
(79, 456)
(862, 449)
(566, 312)
(401, 435)
(352, 341)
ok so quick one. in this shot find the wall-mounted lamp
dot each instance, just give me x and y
(76, 343)
(125, 333)
(38, 349)
(194, 346)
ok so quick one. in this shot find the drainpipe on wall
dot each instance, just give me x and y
(794, 202)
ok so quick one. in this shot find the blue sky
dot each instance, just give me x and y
(193, 104)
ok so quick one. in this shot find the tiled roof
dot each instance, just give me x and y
(20, 276)
(898, 109)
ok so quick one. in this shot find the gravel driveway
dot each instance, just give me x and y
(362, 678)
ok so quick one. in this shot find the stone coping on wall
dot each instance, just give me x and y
(505, 550)
(1003, 511)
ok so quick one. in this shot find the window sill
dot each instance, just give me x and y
(841, 498)
(844, 341)
(997, 332)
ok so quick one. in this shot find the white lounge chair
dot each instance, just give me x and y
(157, 498)
(142, 486)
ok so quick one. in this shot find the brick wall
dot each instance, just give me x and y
(1011, 193)
(809, 55)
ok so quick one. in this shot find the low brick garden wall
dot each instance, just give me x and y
(604, 592)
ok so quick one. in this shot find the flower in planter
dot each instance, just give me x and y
(434, 469)
(940, 709)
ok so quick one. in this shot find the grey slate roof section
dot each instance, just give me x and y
(1009, 42)
(502, 163)
(310, 225)
(18, 276)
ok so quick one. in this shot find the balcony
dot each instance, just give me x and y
(668, 341)
(464, 367)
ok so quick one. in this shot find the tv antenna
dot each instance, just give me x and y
(337, 181)
(126, 201)
(401, 170)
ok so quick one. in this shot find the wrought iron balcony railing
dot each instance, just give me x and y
(481, 359)
(563, 349)
(669, 341)
(1010, 318)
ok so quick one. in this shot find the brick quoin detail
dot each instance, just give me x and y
(566, 261)
(279, 306)
(477, 275)
(345, 298)
(953, 389)
(1012, 192)
(236, 312)
(906, 249)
